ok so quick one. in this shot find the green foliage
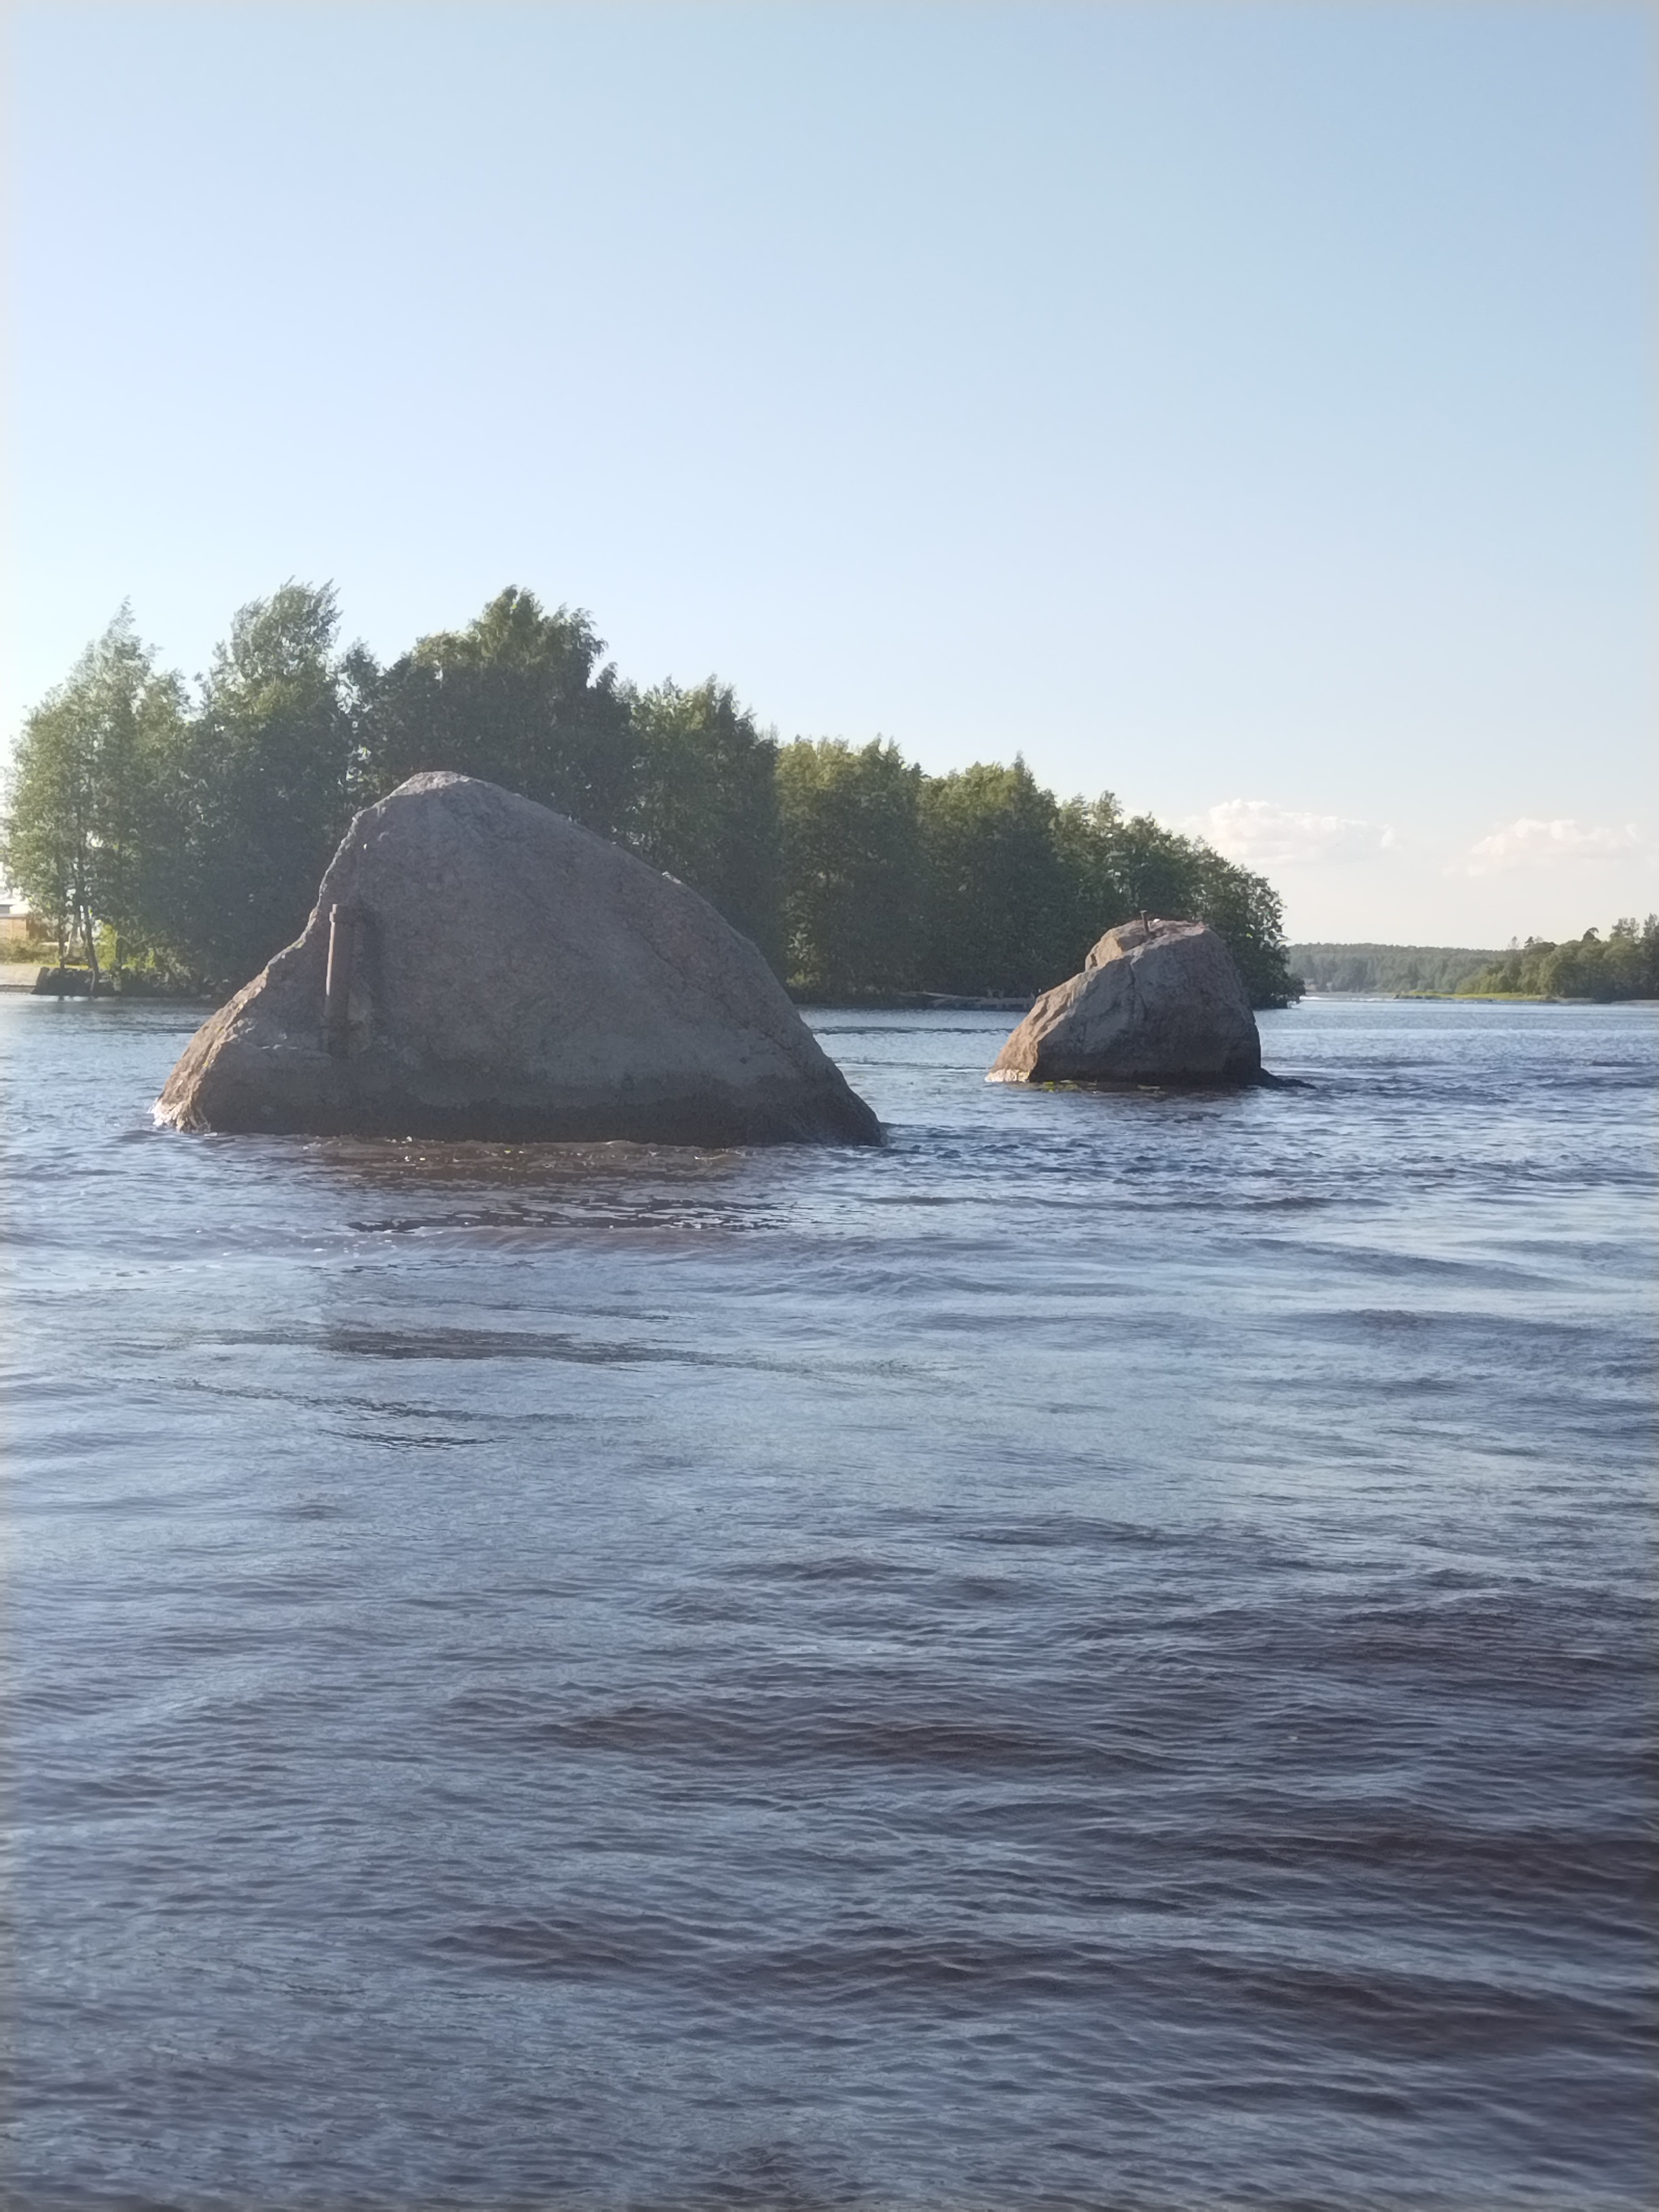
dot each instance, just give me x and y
(706, 803)
(1624, 965)
(1385, 968)
(1245, 910)
(979, 884)
(196, 839)
(82, 838)
(850, 855)
(256, 790)
(1122, 867)
(996, 903)
(1086, 833)
(520, 698)
(1152, 870)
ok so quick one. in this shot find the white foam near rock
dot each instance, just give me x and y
(1156, 1002)
(479, 967)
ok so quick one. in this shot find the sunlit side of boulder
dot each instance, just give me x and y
(1156, 1002)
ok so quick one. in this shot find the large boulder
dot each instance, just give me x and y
(1156, 1002)
(477, 966)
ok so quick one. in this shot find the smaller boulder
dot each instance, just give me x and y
(1156, 1002)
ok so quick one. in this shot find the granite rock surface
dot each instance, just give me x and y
(499, 972)
(1156, 1002)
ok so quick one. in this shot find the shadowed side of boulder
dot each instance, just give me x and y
(1156, 1002)
(479, 967)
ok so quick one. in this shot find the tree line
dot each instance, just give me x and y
(1623, 964)
(1383, 967)
(181, 837)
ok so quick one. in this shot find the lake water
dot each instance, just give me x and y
(1095, 1657)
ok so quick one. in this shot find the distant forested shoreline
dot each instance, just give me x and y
(1623, 964)
(178, 837)
(1384, 967)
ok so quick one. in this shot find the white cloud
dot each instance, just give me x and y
(1528, 843)
(1263, 835)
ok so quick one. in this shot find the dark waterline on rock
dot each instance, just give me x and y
(1094, 1657)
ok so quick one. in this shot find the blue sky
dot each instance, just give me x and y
(1245, 408)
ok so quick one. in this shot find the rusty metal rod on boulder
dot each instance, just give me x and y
(337, 989)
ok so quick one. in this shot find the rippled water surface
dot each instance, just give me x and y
(1092, 1658)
